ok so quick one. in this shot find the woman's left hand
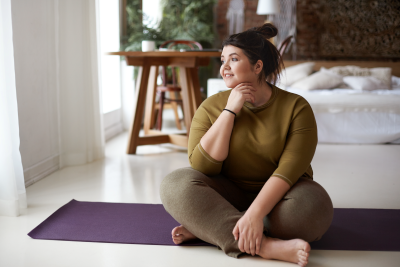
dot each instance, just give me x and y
(249, 231)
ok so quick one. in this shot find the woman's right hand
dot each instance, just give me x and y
(243, 92)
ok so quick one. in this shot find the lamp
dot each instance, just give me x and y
(266, 7)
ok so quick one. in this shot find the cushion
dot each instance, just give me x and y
(323, 79)
(382, 74)
(395, 82)
(364, 83)
(294, 73)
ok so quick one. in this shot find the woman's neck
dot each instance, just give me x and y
(263, 94)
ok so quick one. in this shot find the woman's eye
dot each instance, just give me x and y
(234, 59)
(222, 62)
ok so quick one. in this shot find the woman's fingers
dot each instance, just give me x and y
(241, 243)
(258, 244)
(244, 87)
(241, 93)
(235, 232)
(247, 246)
(247, 242)
(252, 248)
(248, 96)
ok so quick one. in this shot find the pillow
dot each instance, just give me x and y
(294, 73)
(350, 71)
(366, 83)
(323, 79)
(395, 82)
(382, 74)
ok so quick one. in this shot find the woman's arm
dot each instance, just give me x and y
(249, 229)
(271, 193)
(216, 141)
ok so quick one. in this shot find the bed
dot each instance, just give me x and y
(346, 115)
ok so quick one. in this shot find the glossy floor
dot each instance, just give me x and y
(356, 176)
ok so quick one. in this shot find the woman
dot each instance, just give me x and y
(250, 188)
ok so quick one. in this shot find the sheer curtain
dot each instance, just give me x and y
(12, 187)
(80, 113)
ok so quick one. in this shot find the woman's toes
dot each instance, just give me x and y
(176, 230)
(302, 262)
(303, 258)
(177, 240)
(181, 234)
(307, 247)
(173, 231)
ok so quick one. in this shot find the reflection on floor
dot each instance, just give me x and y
(356, 176)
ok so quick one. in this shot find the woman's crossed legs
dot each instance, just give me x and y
(209, 207)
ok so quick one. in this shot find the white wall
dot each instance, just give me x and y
(52, 46)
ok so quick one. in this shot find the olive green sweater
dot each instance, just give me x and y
(276, 139)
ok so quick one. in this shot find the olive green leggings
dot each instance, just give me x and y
(209, 207)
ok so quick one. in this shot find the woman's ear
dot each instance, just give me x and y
(258, 67)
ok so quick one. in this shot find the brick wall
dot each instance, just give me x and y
(334, 29)
(355, 30)
(251, 19)
(307, 41)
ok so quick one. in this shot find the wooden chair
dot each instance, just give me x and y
(173, 88)
(285, 44)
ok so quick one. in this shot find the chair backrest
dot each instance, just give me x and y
(285, 44)
(171, 43)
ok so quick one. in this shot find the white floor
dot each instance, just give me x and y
(356, 176)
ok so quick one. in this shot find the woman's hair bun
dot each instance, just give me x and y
(267, 30)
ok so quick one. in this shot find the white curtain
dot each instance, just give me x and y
(285, 21)
(12, 187)
(80, 112)
(72, 41)
(235, 16)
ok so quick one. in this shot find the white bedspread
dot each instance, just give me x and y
(347, 116)
(347, 100)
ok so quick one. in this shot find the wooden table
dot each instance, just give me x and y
(146, 84)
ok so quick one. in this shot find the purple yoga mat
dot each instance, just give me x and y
(128, 223)
(362, 229)
(351, 229)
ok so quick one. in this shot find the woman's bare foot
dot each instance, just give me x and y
(295, 250)
(181, 234)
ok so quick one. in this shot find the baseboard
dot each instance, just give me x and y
(113, 130)
(41, 170)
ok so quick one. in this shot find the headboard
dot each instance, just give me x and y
(363, 64)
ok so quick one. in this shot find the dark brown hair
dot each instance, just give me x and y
(255, 45)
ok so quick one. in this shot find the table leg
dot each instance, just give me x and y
(141, 88)
(150, 99)
(195, 86)
(187, 97)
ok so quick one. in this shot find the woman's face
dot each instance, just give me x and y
(236, 67)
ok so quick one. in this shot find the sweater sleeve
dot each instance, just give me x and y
(199, 159)
(301, 142)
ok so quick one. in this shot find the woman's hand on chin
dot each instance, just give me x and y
(243, 92)
(249, 231)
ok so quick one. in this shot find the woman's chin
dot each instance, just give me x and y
(231, 84)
